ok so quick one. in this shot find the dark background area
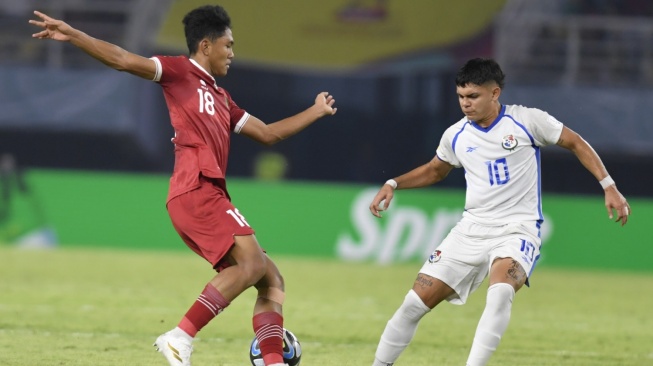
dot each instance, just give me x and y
(359, 144)
(390, 117)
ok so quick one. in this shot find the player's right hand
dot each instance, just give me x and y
(325, 101)
(52, 28)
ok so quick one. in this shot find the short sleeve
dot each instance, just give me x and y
(169, 68)
(445, 150)
(237, 116)
(545, 128)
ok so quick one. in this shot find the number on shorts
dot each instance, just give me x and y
(238, 217)
(528, 249)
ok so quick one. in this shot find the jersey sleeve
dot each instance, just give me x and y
(237, 116)
(169, 69)
(445, 150)
(545, 128)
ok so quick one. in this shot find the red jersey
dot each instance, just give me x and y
(203, 116)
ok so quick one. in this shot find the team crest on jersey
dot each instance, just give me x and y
(509, 142)
(435, 256)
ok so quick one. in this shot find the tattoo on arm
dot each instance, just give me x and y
(423, 281)
(516, 272)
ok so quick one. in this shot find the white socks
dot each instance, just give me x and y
(400, 329)
(493, 323)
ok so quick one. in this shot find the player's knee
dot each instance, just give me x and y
(255, 273)
(413, 307)
(272, 278)
(500, 296)
(253, 270)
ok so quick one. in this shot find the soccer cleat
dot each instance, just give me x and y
(176, 350)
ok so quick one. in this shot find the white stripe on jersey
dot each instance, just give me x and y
(241, 123)
(157, 74)
(502, 163)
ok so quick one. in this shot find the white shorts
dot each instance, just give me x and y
(464, 258)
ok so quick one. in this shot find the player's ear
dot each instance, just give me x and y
(496, 92)
(204, 46)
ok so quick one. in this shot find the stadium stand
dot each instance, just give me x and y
(577, 42)
(129, 23)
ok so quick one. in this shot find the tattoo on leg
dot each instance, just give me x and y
(423, 281)
(516, 272)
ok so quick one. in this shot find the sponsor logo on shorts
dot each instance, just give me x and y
(435, 256)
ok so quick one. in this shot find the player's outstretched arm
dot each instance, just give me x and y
(107, 53)
(614, 200)
(422, 176)
(270, 134)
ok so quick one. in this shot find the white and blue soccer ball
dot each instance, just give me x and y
(292, 350)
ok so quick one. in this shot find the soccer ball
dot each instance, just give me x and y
(292, 350)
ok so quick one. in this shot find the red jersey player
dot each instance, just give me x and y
(203, 116)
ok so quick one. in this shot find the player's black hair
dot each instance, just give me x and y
(208, 21)
(479, 71)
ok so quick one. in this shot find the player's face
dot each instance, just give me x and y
(221, 53)
(479, 102)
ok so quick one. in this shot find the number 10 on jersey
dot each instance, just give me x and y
(497, 171)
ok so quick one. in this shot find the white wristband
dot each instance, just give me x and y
(606, 182)
(392, 183)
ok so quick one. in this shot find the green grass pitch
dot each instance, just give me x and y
(101, 307)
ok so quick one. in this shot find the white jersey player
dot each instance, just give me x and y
(499, 148)
(501, 163)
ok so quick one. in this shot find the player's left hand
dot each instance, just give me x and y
(382, 200)
(52, 28)
(325, 101)
(615, 201)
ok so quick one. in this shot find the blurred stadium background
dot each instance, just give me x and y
(390, 65)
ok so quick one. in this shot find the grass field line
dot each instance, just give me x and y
(570, 353)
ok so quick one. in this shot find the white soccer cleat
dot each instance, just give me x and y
(175, 349)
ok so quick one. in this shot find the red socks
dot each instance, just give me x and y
(207, 306)
(268, 327)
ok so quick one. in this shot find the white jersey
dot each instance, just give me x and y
(502, 163)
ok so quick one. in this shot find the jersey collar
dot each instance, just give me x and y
(215, 85)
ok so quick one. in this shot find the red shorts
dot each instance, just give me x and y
(207, 222)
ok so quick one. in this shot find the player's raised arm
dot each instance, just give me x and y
(272, 133)
(107, 53)
(614, 200)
